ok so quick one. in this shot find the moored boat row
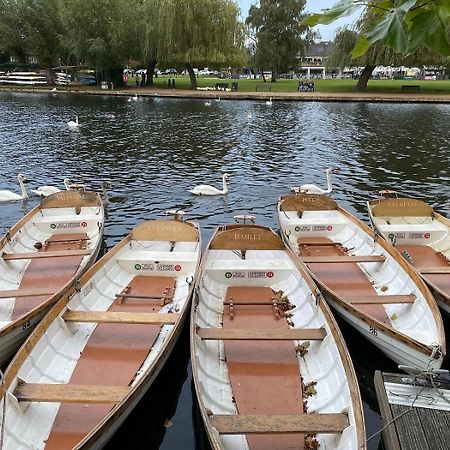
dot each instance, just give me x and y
(270, 367)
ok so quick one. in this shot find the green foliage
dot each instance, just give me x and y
(403, 25)
(279, 33)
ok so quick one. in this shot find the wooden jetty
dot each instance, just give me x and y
(415, 411)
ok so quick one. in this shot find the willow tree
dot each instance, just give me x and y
(200, 33)
(280, 35)
(32, 28)
(101, 33)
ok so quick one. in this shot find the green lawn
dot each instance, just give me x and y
(333, 86)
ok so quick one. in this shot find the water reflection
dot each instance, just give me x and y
(153, 150)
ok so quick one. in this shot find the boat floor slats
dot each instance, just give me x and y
(37, 255)
(49, 273)
(69, 393)
(38, 292)
(272, 424)
(346, 279)
(112, 356)
(343, 259)
(264, 375)
(121, 317)
(68, 238)
(262, 334)
(381, 299)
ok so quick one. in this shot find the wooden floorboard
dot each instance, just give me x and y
(37, 292)
(121, 317)
(382, 299)
(409, 429)
(343, 259)
(36, 255)
(261, 334)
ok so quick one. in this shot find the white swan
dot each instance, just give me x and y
(71, 123)
(313, 189)
(217, 99)
(269, 102)
(6, 196)
(73, 186)
(44, 191)
(206, 189)
(208, 103)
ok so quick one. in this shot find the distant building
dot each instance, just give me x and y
(314, 61)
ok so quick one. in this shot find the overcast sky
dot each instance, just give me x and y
(326, 31)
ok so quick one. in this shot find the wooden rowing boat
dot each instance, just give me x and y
(365, 280)
(41, 256)
(421, 235)
(94, 355)
(269, 364)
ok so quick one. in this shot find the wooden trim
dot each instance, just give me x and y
(401, 207)
(246, 237)
(431, 270)
(121, 317)
(68, 393)
(70, 199)
(35, 255)
(307, 202)
(279, 423)
(257, 335)
(343, 259)
(145, 297)
(165, 230)
(382, 299)
(37, 292)
(390, 432)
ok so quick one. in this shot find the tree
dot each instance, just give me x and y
(101, 33)
(403, 25)
(196, 33)
(280, 34)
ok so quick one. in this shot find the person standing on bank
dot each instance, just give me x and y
(137, 80)
(143, 79)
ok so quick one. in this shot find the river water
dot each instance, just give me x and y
(153, 150)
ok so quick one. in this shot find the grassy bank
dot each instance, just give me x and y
(331, 86)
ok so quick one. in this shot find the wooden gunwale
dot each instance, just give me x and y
(335, 331)
(120, 410)
(44, 306)
(436, 291)
(417, 280)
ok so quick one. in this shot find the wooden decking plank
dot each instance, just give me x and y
(273, 424)
(257, 335)
(343, 259)
(37, 292)
(436, 425)
(409, 429)
(69, 393)
(121, 317)
(430, 270)
(382, 299)
(35, 255)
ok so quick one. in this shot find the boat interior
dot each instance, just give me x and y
(354, 264)
(251, 286)
(415, 229)
(47, 250)
(104, 339)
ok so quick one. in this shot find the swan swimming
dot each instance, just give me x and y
(44, 191)
(313, 189)
(208, 103)
(71, 123)
(269, 102)
(6, 195)
(206, 189)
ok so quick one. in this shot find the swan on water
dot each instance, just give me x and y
(208, 103)
(71, 123)
(206, 189)
(313, 189)
(269, 102)
(73, 186)
(44, 191)
(6, 195)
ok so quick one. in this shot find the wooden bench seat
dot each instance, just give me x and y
(273, 424)
(55, 254)
(37, 292)
(121, 317)
(69, 393)
(343, 259)
(264, 335)
(381, 299)
(431, 270)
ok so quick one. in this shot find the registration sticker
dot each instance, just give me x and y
(66, 225)
(416, 235)
(165, 267)
(257, 274)
(319, 227)
(235, 275)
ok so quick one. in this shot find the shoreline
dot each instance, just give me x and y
(369, 97)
